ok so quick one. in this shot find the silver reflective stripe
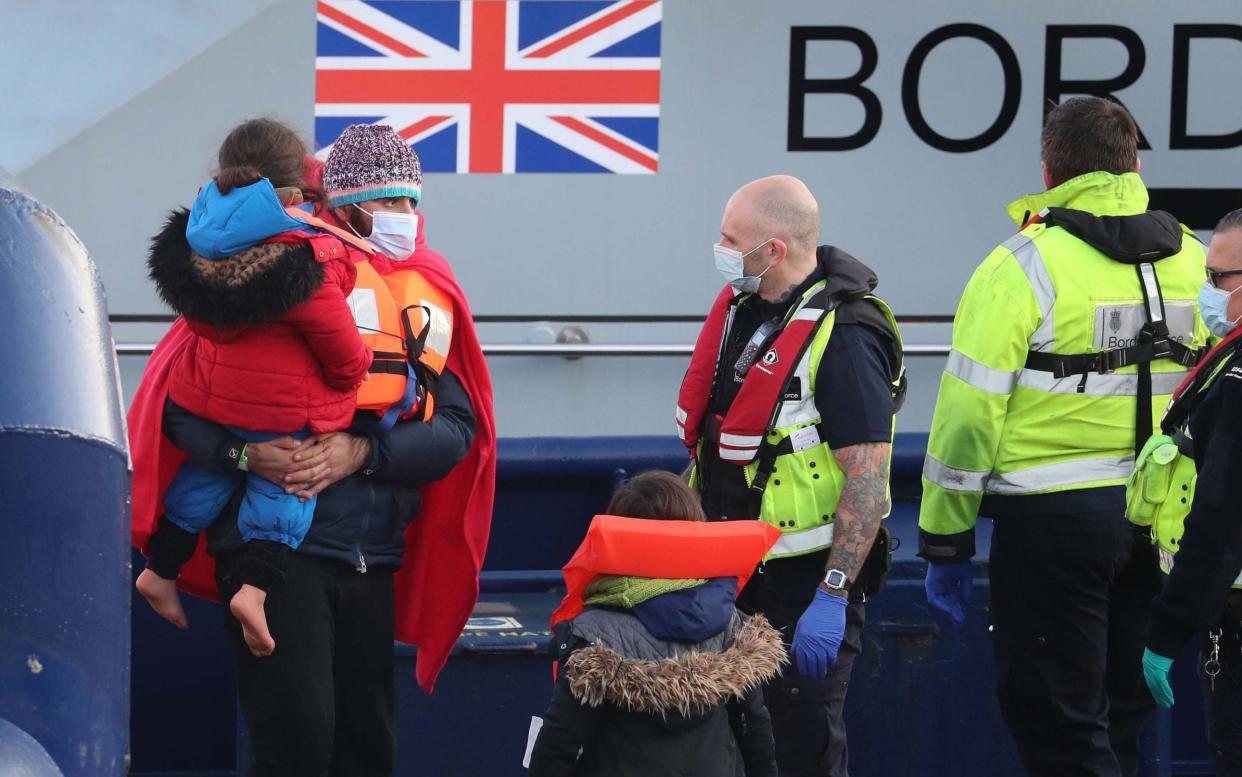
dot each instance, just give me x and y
(1027, 256)
(803, 541)
(681, 432)
(1155, 305)
(1166, 566)
(952, 478)
(979, 375)
(1065, 473)
(739, 454)
(1112, 385)
(682, 415)
(741, 440)
(808, 314)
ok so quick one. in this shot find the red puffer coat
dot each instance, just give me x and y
(278, 349)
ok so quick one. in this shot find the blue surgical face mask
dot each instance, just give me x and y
(1214, 306)
(731, 266)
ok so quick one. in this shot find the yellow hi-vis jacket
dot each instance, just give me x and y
(1002, 428)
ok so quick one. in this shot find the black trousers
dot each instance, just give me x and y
(322, 704)
(1071, 596)
(807, 713)
(1222, 699)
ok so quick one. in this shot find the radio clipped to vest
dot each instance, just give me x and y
(1161, 490)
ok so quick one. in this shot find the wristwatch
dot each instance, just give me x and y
(836, 580)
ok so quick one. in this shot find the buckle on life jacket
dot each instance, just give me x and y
(1156, 335)
(414, 395)
(1184, 443)
(1105, 362)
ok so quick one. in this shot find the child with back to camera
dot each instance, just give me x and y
(277, 353)
(660, 676)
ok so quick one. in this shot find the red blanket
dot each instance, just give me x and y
(438, 584)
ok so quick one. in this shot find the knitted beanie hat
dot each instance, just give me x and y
(371, 162)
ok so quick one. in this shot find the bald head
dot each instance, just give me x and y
(781, 207)
(774, 221)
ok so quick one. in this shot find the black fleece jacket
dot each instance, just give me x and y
(359, 520)
(1209, 557)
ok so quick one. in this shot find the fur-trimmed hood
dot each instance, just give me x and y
(690, 683)
(255, 286)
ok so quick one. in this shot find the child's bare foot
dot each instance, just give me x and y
(247, 607)
(162, 595)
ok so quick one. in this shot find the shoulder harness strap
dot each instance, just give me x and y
(765, 459)
(1153, 343)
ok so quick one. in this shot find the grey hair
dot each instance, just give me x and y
(1231, 220)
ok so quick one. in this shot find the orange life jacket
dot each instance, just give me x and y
(379, 324)
(408, 324)
(642, 547)
(425, 316)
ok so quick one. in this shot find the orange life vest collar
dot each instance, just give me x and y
(743, 428)
(642, 547)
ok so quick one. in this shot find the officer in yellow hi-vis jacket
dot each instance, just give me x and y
(1068, 341)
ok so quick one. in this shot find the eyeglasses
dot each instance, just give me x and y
(1216, 275)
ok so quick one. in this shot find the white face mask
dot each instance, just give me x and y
(729, 263)
(392, 234)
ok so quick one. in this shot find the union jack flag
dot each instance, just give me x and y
(496, 86)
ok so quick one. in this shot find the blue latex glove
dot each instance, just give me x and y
(1156, 673)
(818, 636)
(949, 588)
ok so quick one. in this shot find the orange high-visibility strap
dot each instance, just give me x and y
(319, 223)
(642, 547)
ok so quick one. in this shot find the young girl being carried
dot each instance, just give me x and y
(277, 354)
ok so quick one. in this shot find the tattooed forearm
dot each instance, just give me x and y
(864, 500)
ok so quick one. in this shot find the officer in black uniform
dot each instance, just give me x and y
(1198, 597)
(770, 232)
